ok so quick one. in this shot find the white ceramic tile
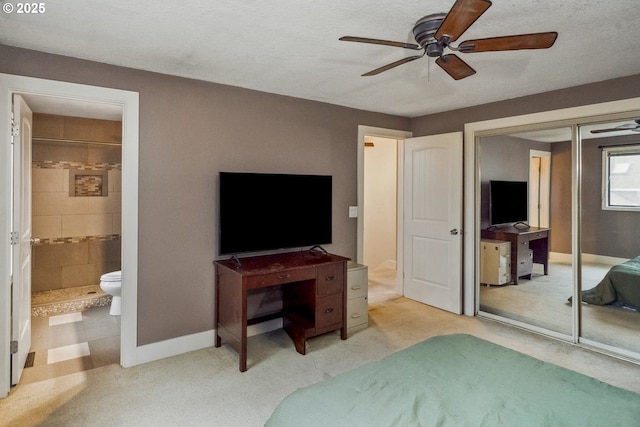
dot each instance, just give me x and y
(87, 225)
(48, 226)
(115, 180)
(65, 318)
(48, 203)
(65, 181)
(117, 224)
(113, 202)
(73, 351)
(47, 180)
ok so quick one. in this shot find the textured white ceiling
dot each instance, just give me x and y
(291, 47)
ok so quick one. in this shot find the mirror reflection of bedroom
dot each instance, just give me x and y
(528, 273)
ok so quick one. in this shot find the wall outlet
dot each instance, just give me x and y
(353, 212)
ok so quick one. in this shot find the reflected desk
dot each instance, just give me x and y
(528, 246)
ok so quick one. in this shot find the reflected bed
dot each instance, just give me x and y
(621, 284)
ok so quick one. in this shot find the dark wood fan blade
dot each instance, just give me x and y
(460, 17)
(630, 126)
(522, 41)
(378, 41)
(392, 65)
(605, 130)
(455, 67)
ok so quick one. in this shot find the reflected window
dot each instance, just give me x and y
(621, 178)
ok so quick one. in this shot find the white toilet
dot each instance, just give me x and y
(111, 283)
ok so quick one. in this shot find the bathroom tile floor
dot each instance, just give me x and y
(72, 342)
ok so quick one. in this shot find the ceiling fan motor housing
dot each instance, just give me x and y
(424, 31)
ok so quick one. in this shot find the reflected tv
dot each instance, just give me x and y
(508, 202)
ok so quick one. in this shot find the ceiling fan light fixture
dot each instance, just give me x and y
(434, 33)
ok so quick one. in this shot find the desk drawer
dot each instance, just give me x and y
(280, 277)
(330, 280)
(357, 312)
(538, 235)
(356, 290)
(329, 310)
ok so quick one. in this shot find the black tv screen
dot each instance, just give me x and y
(260, 212)
(508, 202)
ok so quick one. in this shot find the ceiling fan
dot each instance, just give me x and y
(434, 33)
(635, 127)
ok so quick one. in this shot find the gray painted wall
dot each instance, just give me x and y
(503, 158)
(599, 236)
(453, 121)
(190, 130)
(604, 232)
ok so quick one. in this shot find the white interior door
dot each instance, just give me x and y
(21, 238)
(432, 220)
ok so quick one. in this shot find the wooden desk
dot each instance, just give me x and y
(523, 240)
(313, 292)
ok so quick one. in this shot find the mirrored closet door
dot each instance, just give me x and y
(610, 235)
(526, 273)
(546, 193)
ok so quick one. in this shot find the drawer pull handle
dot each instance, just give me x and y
(355, 315)
(356, 287)
(329, 310)
(329, 278)
(283, 276)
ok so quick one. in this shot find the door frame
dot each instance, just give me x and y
(473, 132)
(10, 84)
(400, 136)
(543, 175)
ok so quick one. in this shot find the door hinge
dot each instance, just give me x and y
(14, 238)
(15, 129)
(14, 347)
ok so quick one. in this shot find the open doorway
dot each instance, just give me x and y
(128, 102)
(380, 237)
(76, 193)
(391, 285)
(539, 187)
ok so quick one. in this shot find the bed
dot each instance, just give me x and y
(458, 380)
(621, 284)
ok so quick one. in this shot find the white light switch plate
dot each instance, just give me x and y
(353, 212)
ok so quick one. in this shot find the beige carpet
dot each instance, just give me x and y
(205, 388)
(542, 301)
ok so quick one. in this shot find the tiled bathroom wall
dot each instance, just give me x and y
(76, 188)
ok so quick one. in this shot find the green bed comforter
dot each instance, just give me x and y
(458, 380)
(622, 284)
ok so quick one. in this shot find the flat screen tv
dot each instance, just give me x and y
(508, 202)
(261, 212)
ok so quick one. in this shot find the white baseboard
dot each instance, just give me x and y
(175, 346)
(596, 259)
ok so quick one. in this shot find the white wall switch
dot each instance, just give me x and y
(353, 212)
